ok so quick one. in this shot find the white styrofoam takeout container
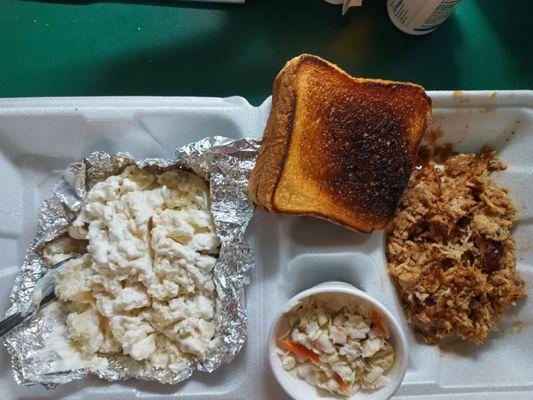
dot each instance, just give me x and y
(299, 389)
(40, 136)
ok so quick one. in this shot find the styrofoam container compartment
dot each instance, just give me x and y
(40, 136)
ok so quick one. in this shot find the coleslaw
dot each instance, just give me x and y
(332, 343)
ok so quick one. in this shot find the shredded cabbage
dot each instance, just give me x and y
(347, 351)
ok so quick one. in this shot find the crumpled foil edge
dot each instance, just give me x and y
(226, 164)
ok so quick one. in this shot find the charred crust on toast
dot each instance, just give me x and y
(367, 171)
(358, 152)
(362, 154)
(290, 127)
(265, 176)
(364, 170)
(369, 82)
(313, 60)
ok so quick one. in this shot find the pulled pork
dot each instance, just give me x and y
(450, 251)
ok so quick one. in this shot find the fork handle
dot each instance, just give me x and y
(10, 322)
(16, 319)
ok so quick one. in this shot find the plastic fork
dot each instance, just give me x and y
(46, 285)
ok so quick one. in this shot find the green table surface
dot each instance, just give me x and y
(179, 48)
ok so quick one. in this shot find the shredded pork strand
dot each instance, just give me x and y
(450, 251)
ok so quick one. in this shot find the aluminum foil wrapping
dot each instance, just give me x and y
(226, 164)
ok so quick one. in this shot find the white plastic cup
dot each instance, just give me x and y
(419, 17)
(299, 389)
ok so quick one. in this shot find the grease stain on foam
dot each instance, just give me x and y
(525, 248)
(486, 109)
(430, 151)
(456, 349)
(461, 96)
(517, 327)
(433, 136)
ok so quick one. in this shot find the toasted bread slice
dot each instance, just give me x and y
(338, 147)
